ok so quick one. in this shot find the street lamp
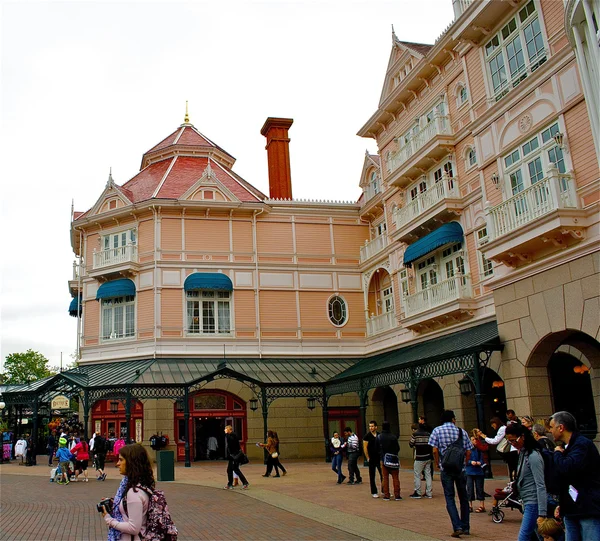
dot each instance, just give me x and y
(114, 407)
(405, 394)
(310, 403)
(466, 387)
(253, 404)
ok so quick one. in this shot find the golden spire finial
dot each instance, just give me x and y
(186, 119)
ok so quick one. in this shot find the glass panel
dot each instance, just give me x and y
(209, 402)
(516, 182)
(118, 318)
(224, 317)
(106, 320)
(208, 317)
(492, 45)
(549, 133)
(509, 28)
(449, 269)
(530, 146)
(129, 320)
(498, 72)
(555, 156)
(193, 319)
(432, 277)
(107, 242)
(512, 158)
(448, 169)
(535, 170)
(533, 40)
(516, 59)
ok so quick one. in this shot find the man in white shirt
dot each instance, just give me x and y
(353, 448)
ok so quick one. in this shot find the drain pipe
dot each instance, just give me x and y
(256, 288)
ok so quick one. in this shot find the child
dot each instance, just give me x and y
(551, 530)
(475, 477)
(64, 457)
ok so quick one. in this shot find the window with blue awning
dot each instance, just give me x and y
(75, 307)
(446, 234)
(116, 288)
(208, 280)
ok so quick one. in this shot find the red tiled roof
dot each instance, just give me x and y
(142, 186)
(375, 158)
(77, 215)
(421, 48)
(167, 141)
(193, 138)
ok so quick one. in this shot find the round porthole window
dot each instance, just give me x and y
(338, 312)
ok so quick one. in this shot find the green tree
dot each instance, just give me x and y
(25, 367)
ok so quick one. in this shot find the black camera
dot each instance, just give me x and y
(105, 505)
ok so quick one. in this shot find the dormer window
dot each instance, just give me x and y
(374, 183)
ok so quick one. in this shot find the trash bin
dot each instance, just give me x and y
(165, 465)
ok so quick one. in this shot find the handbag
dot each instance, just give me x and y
(240, 458)
(275, 454)
(503, 446)
(391, 461)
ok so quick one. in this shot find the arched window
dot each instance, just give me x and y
(337, 311)
(470, 157)
(461, 95)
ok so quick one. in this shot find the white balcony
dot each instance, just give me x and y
(373, 247)
(453, 289)
(371, 192)
(440, 125)
(381, 323)
(115, 256)
(447, 188)
(551, 193)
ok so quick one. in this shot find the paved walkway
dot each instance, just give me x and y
(307, 504)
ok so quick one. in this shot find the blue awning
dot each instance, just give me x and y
(451, 232)
(117, 288)
(208, 280)
(75, 307)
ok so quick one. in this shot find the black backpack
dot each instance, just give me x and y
(453, 460)
(99, 445)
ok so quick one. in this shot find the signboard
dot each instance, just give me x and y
(98, 427)
(138, 431)
(60, 402)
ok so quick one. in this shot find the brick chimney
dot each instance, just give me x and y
(278, 155)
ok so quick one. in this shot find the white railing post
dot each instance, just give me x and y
(554, 188)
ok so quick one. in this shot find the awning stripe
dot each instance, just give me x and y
(208, 280)
(447, 233)
(117, 288)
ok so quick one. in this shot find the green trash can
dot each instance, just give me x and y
(165, 465)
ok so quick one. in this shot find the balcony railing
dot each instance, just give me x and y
(373, 247)
(440, 125)
(115, 256)
(371, 191)
(445, 189)
(551, 193)
(76, 271)
(381, 323)
(455, 288)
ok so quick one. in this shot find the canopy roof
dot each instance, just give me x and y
(116, 288)
(447, 233)
(208, 280)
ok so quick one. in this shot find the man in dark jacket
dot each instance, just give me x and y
(388, 444)
(51, 447)
(232, 446)
(577, 467)
(419, 441)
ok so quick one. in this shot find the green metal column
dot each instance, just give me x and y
(265, 414)
(86, 413)
(186, 417)
(326, 426)
(414, 398)
(34, 433)
(363, 419)
(477, 381)
(127, 414)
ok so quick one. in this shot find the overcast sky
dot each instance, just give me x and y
(91, 85)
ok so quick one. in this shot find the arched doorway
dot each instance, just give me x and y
(572, 390)
(389, 403)
(494, 400)
(380, 303)
(210, 411)
(569, 379)
(431, 401)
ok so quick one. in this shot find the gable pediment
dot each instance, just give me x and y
(209, 188)
(370, 164)
(112, 198)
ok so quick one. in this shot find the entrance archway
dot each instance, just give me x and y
(431, 401)
(572, 390)
(563, 373)
(389, 402)
(210, 411)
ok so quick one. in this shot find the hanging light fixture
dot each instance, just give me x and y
(311, 403)
(466, 387)
(405, 394)
(495, 179)
(114, 407)
(253, 404)
(498, 384)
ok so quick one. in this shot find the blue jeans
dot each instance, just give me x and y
(336, 465)
(529, 522)
(583, 529)
(448, 482)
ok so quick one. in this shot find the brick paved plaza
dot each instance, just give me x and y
(307, 504)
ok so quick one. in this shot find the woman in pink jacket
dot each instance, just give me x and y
(82, 459)
(134, 465)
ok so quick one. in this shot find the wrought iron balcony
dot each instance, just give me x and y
(381, 323)
(456, 288)
(373, 247)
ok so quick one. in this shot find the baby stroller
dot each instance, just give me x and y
(56, 473)
(505, 498)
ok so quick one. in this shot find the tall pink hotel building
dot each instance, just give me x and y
(465, 277)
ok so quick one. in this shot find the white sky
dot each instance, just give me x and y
(91, 85)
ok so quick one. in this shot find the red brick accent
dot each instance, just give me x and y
(278, 155)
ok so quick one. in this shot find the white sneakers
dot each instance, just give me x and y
(375, 495)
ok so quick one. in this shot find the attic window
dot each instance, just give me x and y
(112, 204)
(208, 194)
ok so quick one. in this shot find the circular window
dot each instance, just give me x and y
(338, 313)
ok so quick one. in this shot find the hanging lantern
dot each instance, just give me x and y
(310, 403)
(466, 387)
(405, 394)
(253, 404)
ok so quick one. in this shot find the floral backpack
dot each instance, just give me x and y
(159, 524)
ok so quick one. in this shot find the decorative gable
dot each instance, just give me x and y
(208, 188)
(113, 197)
(370, 170)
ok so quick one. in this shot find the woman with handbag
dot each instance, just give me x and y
(272, 454)
(235, 456)
(277, 459)
(508, 453)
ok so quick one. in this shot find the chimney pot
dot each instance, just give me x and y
(278, 156)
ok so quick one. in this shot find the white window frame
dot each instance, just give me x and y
(498, 51)
(344, 307)
(387, 299)
(209, 323)
(486, 266)
(460, 99)
(470, 150)
(118, 239)
(403, 281)
(431, 178)
(517, 162)
(375, 183)
(117, 330)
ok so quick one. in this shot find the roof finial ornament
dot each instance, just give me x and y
(394, 36)
(186, 119)
(110, 181)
